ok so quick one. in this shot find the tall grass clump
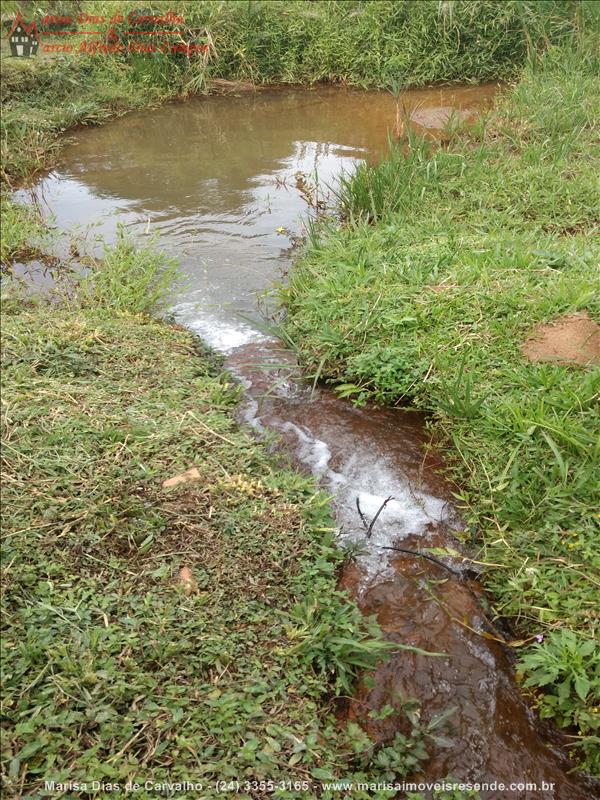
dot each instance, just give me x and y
(129, 277)
(373, 193)
(443, 264)
(370, 43)
(22, 233)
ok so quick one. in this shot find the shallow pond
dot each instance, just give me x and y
(216, 178)
(219, 179)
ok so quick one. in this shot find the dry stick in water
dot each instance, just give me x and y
(428, 557)
(369, 528)
(434, 560)
(374, 520)
(401, 549)
(360, 514)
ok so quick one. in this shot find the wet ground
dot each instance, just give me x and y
(218, 178)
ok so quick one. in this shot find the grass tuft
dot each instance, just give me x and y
(22, 234)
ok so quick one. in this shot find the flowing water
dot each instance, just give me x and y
(218, 178)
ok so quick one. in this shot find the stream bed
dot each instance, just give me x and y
(218, 178)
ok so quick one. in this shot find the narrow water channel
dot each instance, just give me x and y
(217, 178)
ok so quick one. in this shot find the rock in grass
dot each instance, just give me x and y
(191, 474)
(186, 580)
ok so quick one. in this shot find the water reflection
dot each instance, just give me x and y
(215, 177)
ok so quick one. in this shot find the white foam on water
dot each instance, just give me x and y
(249, 407)
(223, 335)
(311, 451)
(371, 480)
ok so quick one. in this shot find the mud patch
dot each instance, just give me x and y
(573, 339)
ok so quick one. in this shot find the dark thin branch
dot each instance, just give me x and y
(360, 513)
(428, 557)
(460, 575)
(374, 520)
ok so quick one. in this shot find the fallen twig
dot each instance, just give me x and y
(428, 557)
(374, 520)
(360, 513)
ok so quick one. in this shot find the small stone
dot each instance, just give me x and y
(187, 580)
(191, 474)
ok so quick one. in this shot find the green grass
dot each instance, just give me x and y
(22, 234)
(43, 98)
(444, 262)
(347, 42)
(113, 668)
(110, 669)
(130, 277)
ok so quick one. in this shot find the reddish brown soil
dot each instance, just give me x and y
(573, 339)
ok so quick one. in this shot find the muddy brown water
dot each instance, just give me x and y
(216, 177)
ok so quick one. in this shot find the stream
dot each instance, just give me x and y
(217, 178)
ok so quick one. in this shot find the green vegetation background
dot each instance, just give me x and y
(107, 657)
(346, 42)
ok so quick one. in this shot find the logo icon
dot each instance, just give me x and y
(23, 38)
